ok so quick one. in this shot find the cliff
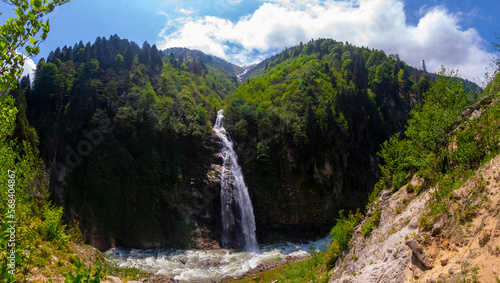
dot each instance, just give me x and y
(462, 244)
(444, 224)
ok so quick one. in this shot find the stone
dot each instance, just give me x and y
(413, 223)
(417, 273)
(423, 258)
(494, 271)
(432, 280)
(436, 229)
(456, 194)
(444, 261)
(113, 279)
(451, 271)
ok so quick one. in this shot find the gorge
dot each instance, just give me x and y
(166, 177)
(305, 129)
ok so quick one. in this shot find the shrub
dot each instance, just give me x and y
(398, 180)
(341, 235)
(371, 223)
(53, 227)
(379, 186)
(409, 188)
(419, 189)
(85, 275)
(425, 223)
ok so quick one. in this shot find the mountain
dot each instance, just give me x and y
(183, 53)
(307, 124)
(125, 134)
(433, 215)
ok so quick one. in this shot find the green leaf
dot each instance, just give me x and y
(19, 11)
(33, 40)
(37, 3)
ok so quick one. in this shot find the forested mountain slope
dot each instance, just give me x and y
(307, 129)
(123, 131)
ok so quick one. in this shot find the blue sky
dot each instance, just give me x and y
(456, 34)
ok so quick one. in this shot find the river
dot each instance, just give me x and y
(209, 265)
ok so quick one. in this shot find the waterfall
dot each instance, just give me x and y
(238, 222)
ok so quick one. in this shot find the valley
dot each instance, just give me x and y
(179, 164)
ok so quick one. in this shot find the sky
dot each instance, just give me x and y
(456, 34)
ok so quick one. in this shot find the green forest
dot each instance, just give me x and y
(125, 132)
(131, 129)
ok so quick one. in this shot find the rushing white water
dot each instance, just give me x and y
(209, 265)
(238, 222)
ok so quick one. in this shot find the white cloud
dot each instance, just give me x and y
(438, 38)
(185, 11)
(29, 68)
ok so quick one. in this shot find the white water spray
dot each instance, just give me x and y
(238, 222)
(209, 265)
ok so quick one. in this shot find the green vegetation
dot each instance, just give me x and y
(125, 132)
(313, 118)
(40, 235)
(341, 236)
(20, 33)
(371, 222)
(133, 126)
(449, 136)
(28, 220)
(85, 275)
(307, 270)
(316, 268)
(425, 148)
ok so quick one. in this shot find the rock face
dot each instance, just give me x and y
(301, 205)
(185, 214)
(399, 251)
(384, 257)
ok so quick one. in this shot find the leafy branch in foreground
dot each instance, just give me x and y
(21, 32)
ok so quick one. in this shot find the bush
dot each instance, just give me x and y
(379, 186)
(85, 275)
(419, 189)
(425, 223)
(371, 223)
(342, 233)
(398, 180)
(53, 228)
(409, 188)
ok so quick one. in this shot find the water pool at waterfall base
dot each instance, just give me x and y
(210, 265)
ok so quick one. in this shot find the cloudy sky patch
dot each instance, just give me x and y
(455, 33)
(438, 37)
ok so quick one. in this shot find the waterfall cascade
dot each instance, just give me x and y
(238, 222)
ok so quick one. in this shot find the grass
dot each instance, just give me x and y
(317, 267)
(308, 270)
(126, 274)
